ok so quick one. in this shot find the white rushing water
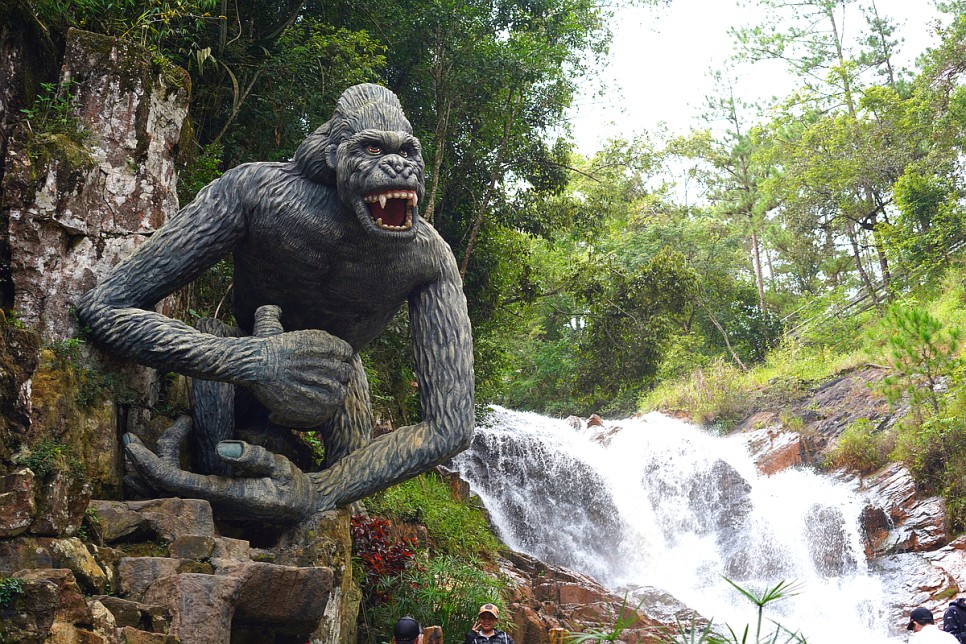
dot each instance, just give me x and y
(659, 502)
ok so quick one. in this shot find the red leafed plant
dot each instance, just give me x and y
(381, 556)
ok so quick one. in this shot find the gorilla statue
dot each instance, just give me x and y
(326, 248)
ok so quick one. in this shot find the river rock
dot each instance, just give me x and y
(546, 597)
(774, 450)
(896, 519)
(828, 542)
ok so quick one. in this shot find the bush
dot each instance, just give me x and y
(48, 456)
(10, 590)
(923, 354)
(453, 528)
(861, 447)
(380, 555)
(716, 394)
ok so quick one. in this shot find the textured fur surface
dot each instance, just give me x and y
(326, 249)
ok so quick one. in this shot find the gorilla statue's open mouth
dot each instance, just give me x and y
(392, 210)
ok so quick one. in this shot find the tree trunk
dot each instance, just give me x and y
(495, 176)
(442, 124)
(883, 261)
(860, 267)
(756, 263)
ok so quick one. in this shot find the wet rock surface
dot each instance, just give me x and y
(546, 597)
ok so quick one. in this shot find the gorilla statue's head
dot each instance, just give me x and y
(367, 151)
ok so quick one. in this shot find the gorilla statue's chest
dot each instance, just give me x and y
(350, 292)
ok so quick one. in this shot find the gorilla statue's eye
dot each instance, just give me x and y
(373, 149)
(404, 153)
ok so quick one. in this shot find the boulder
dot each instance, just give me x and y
(227, 548)
(201, 605)
(137, 574)
(895, 519)
(137, 615)
(172, 517)
(298, 595)
(192, 546)
(17, 506)
(62, 501)
(133, 636)
(114, 521)
(74, 555)
(774, 450)
(43, 552)
(71, 605)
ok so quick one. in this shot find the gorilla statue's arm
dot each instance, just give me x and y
(119, 309)
(298, 374)
(443, 347)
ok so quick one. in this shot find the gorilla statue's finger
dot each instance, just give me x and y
(249, 460)
(331, 378)
(338, 348)
(267, 321)
(168, 477)
(169, 445)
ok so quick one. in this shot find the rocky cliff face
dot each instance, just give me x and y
(906, 533)
(75, 201)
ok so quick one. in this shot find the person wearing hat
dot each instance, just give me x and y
(924, 629)
(485, 630)
(407, 631)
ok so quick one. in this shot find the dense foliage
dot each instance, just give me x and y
(441, 579)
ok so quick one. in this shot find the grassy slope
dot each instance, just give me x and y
(930, 439)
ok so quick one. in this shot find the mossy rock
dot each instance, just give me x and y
(19, 355)
(66, 412)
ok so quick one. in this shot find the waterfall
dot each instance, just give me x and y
(654, 501)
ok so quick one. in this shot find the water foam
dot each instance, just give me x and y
(659, 502)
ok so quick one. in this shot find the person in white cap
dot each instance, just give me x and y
(485, 630)
(924, 630)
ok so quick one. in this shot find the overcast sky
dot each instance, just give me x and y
(660, 58)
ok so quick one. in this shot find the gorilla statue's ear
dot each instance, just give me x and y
(313, 155)
(332, 154)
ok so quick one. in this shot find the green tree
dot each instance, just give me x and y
(923, 355)
(834, 172)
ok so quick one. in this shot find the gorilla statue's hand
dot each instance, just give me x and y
(266, 486)
(304, 373)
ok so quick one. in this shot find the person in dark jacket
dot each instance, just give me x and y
(954, 619)
(485, 630)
